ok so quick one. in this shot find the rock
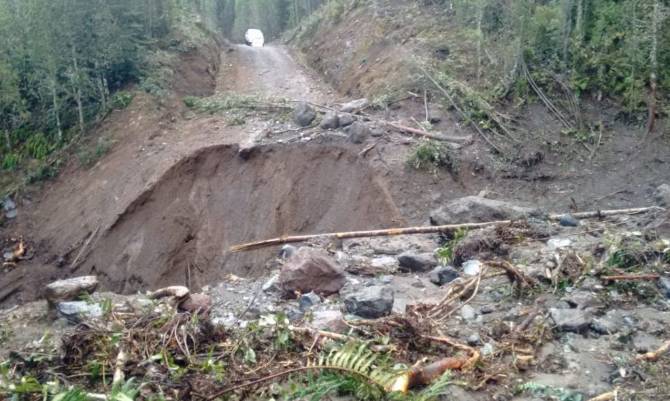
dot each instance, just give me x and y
(78, 311)
(568, 220)
(582, 299)
(377, 132)
(304, 114)
(410, 261)
(328, 320)
(663, 195)
(11, 214)
(346, 120)
(371, 302)
(293, 314)
(610, 323)
(358, 132)
(384, 262)
(354, 105)
(468, 313)
(571, 320)
(199, 304)
(70, 289)
(664, 285)
(330, 121)
(272, 284)
(8, 204)
(644, 342)
(287, 251)
(472, 267)
(311, 270)
(442, 275)
(474, 340)
(477, 209)
(306, 301)
(487, 349)
(558, 243)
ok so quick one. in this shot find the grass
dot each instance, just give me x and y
(433, 156)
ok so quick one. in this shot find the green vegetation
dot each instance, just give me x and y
(445, 254)
(432, 156)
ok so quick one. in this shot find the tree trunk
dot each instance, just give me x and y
(77, 88)
(8, 139)
(54, 100)
(653, 58)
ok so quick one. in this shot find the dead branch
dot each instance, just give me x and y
(425, 134)
(174, 291)
(655, 355)
(422, 229)
(321, 333)
(515, 274)
(608, 396)
(631, 277)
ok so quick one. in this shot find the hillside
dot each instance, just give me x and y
(391, 200)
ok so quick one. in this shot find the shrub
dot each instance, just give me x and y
(433, 156)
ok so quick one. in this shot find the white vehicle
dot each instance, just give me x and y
(254, 38)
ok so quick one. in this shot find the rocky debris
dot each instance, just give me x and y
(411, 261)
(287, 251)
(311, 270)
(664, 286)
(70, 289)
(307, 301)
(663, 195)
(483, 243)
(272, 284)
(329, 320)
(358, 132)
(472, 267)
(346, 120)
(304, 114)
(468, 313)
(330, 121)
(200, 304)
(568, 220)
(79, 311)
(478, 209)
(371, 302)
(355, 105)
(571, 320)
(442, 275)
(558, 243)
(9, 207)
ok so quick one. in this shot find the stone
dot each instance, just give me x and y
(474, 339)
(662, 195)
(474, 209)
(664, 286)
(330, 121)
(355, 105)
(558, 243)
(346, 120)
(568, 220)
(571, 320)
(311, 270)
(11, 214)
(582, 299)
(79, 311)
(287, 251)
(307, 301)
(377, 132)
(410, 261)
(610, 323)
(272, 284)
(8, 204)
(644, 342)
(384, 262)
(371, 302)
(304, 114)
(442, 275)
(329, 320)
(358, 132)
(200, 304)
(468, 313)
(472, 268)
(70, 289)
(487, 349)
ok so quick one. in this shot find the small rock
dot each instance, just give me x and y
(70, 289)
(582, 299)
(643, 342)
(293, 314)
(487, 349)
(329, 320)
(272, 284)
(570, 320)
(610, 323)
(8, 205)
(330, 121)
(377, 132)
(558, 243)
(346, 120)
(11, 214)
(199, 304)
(311, 270)
(384, 262)
(287, 251)
(442, 275)
(358, 132)
(472, 267)
(410, 261)
(371, 302)
(78, 311)
(468, 313)
(308, 300)
(486, 309)
(478, 209)
(664, 285)
(568, 220)
(354, 105)
(663, 195)
(474, 340)
(304, 114)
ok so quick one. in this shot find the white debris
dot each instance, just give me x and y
(255, 38)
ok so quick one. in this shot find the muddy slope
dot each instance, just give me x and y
(179, 230)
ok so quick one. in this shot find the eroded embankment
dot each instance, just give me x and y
(179, 231)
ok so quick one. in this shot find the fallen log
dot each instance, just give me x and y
(631, 277)
(428, 135)
(423, 229)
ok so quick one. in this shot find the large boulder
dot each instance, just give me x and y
(311, 270)
(371, 302)
(70, 289)
(358, 132)
(330, 121)
(304, 114)
(477, 209)
(79, 311)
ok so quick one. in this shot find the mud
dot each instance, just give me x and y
(179, 230)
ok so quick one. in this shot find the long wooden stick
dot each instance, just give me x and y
(418, 132)
(422, 230)
(632, 277)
